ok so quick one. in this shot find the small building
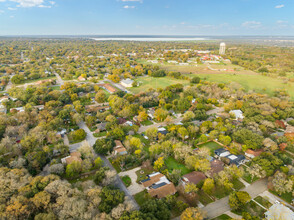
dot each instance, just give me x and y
(216, 166)
(3, 109)
(222, 152)
(101, 127)
(119, 149)
(279, 211)
(289, 133)
(74, 156)
(238, 114)
(108, 88)
(80, 78)
(193, 177)
(158, 186)
(162, 131)
(251, 153)
(236, 159)
(19, 109)
(127, 83)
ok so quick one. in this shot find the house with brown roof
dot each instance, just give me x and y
(216, 166)
(253, 153)
(158, 186)
(289, 133)
(119, 149)
(74, 156)
(194, 177)
(109, 88)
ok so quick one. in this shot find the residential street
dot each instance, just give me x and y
(221, 206)
(91, 140)
(58, 79)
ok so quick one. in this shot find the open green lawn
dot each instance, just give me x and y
(222, 217)
(262, 201)
(204, 198)
(127, 180)
(172, 164)
(257, 83)
(148, 82)
(142, 197)
(253, 208)
(285, 196)
(212, 146)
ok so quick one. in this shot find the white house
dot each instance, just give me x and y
(279, 211)
(127, 83)
(238, 114)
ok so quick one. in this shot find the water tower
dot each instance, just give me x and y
(222, 49)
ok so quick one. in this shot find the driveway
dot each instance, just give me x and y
(221, 206)
(134, 188)
(58, 79)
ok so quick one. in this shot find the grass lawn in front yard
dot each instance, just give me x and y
(204, 198)
(100, 134)
(142, 197)
(253, 208)
(238, 185)
(285, 196)
(172, 164)
(211, 145)
(116, 166)
(222, 217)
(127, 180)
(262, 201)
(146, 123)
(141, 174)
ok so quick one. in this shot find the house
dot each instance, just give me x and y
(162, 131)
(216, 166)
(19, 109)
(221, 152)
(158, 186)
(101, 127)
(289, 133)
(238, 114)
(108, 88)
(3, 109)
(127, 83)
(151, 113)
(279, 211)
(193, 177)
(128, 123)
(280, 124)
(119, 149)
(236, 159)
(251, 153)
(74, 156)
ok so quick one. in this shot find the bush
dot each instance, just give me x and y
(78, 135)
(195, 80)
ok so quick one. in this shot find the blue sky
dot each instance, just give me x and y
(168, 17)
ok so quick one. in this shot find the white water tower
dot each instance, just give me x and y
(222, 49)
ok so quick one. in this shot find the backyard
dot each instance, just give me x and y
(148, 82)
(211, 145)
(172, 164)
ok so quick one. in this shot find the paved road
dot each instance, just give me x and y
(58, 79)
(221, 206)
(91, 140)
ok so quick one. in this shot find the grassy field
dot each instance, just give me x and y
(222, 217)
(264, 202)
(252, 208)
(212, 146)
(127, 180)
(155, 83)
(172, 164)
(257, 83)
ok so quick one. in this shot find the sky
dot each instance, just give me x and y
(147, 17)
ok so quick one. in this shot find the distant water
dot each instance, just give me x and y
(150, 39)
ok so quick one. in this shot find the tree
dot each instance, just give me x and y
(100, 97)
(202, 165)
(208, 186)
(160, 114)
(188, 116)
(98, 163)
(281, 183)
(135, 143)
(151, 133)
(78, 135)
(110, 198)
(103, 146)
(238, 199)
(183, 133)
(142, 116)
(100, 175)
(191, 188)
(57, 169)
(193, 214)
(256, 171)
(159, 163)
(195, 80)
(73, 169)
(156, 209)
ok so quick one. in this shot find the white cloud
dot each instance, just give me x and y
(252, 24)
(28, 3)
(129, 7)
(52, 2)
(2, 0)
(1, 12)
(11, 9)
(280, 6)
(11, 16)
(141, 1)
(44, 6)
